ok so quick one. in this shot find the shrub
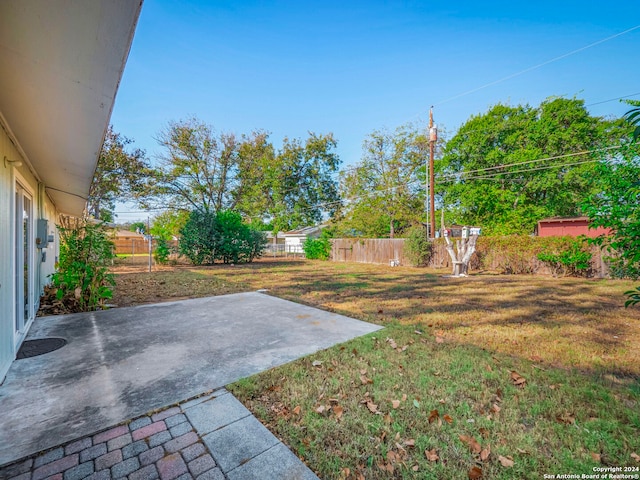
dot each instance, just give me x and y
(207, 237)
(82, 281)
(417, 247)
(318, 248)
(571, 260)
(162, 251)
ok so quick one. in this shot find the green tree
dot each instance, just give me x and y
(207, 237)
(197, 169)
(288, 188)
(384, 192)
(491, 174)
(120, 175)
(616, 205)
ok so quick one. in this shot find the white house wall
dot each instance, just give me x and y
(41, 208)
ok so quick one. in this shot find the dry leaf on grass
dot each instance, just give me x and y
(484, 454)
(337, 410)
(473, 444)
(373, 408)
(635, 456)
(296, 410)
(365, 380)
(596, 457)
(517, 379)
(431, 455)
(395, 403)
(433, 416)
(447, 418)
(566, 418)
(475, 473)
(505, 461)
(320, 409)
(439, 339)
(409, 443)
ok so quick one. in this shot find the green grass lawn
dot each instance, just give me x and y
(498, 376)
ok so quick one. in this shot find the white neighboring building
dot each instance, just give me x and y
(62, 61)
(294, 239)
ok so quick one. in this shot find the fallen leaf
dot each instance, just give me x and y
(345, 472)
(365, 380)
(417, 332)
(566, 418)
(431, 455)
(484, 454)
(484, 432)
(337, 409)
(488, 368)
(387, 419)
(471, 442)
(523, 452)
(392, 342)
(495, 408)
(439, 339)
(395, 403)
(404, 397)
(552, 387)
(320, 409)
(363, 371)
(475, 473)
(433, 416)
(380, 311)
(373, 408)
(316, 363)
(517, 379)
(536, 358)
(447, 418)
(416, 403)
(635, 456)
(392, 456)
(409, 443)
(296, 410)
(505, 461)
(596, 457)
(415, 468)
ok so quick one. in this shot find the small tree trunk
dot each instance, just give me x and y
(462, 257)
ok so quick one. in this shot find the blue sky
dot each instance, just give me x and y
(351, 67)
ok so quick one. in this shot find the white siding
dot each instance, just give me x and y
(40, 270)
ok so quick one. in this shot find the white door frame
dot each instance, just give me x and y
(24, 302)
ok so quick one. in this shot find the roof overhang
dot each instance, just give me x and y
(62, 61)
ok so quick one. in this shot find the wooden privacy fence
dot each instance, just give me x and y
(132, 246)
(369, 250)
(387, 250)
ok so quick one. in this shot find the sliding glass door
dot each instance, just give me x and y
(23, 261)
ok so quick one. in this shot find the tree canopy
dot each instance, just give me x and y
(514, 165)
(384, 192)
(121, 174)
(208, 171)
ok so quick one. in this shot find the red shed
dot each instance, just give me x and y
(572, 227)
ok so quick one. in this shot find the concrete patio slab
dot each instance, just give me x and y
(122, 363)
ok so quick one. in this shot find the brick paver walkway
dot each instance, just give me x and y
(210, 438)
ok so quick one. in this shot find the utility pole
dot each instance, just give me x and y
(433, 137)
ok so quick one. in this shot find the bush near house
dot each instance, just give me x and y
(82, 282)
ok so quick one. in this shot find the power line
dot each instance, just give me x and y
(555, 157)
(534, 67)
